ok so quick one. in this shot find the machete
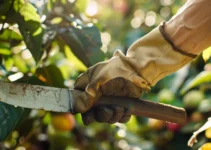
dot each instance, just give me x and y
(62, 100)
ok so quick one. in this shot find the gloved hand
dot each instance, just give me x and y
(147, 61)
(112, 77)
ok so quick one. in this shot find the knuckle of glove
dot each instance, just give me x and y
(121, 87)
(107, 114)
(114, 87)
(103, 113)
(118, 113)
(88, 117)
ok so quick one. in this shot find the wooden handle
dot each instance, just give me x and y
(145, 108)
(140, 107)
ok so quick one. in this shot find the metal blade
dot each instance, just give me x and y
(62, 100)
(35, 96)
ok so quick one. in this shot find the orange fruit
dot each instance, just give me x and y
(206, 146)
(156, 124)
(63, 122)
(196, 117)
(208, 133)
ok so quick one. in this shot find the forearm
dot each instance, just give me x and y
(190, 28)
(169, 47)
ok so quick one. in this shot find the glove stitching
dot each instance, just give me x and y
(167, 38)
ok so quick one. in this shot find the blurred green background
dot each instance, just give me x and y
(50, 42)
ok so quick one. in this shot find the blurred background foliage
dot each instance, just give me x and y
(50, 42)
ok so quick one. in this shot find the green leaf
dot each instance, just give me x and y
(47, 119)
(71, 57)
(9, 116)
(203, 77)
(4, 6)
(52, 75)
(8, 62)
(8, 39)
(133, 124)
(50, 4)
(20, 63)
(5, 48)
(29, 13)
(33, 40)
(56, 20)
(81, 5)
(85, 43)
(9, 34)
(30, 27)
(206, 54)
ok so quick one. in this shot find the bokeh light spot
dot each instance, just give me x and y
(165, 12)
(92, 9)
(150, 21)
(136, 22)
(166, 2)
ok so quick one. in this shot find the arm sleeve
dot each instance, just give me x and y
(172, 45)
(190, 28)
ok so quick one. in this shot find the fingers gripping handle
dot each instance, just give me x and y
(140, 107)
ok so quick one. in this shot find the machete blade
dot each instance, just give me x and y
(35, 96)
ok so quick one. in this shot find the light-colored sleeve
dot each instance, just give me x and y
(190, 28)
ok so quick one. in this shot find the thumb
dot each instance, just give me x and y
(82, 81)
(82, 102)
(118, 53)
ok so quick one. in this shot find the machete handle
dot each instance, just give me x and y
(145, 108)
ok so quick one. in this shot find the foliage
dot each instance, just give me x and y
(51, 42)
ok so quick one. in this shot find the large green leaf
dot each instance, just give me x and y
(71, 57)
(9, 116)
(4, 6)
(203, 77)
(30, 27)
(85, 43)
(52, 75)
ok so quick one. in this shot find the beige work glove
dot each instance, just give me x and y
(111, 77)
(147, 61)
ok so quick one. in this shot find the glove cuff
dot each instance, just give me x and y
(168, 39)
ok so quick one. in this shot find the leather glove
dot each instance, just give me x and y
(111, 77)
(147, 61)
